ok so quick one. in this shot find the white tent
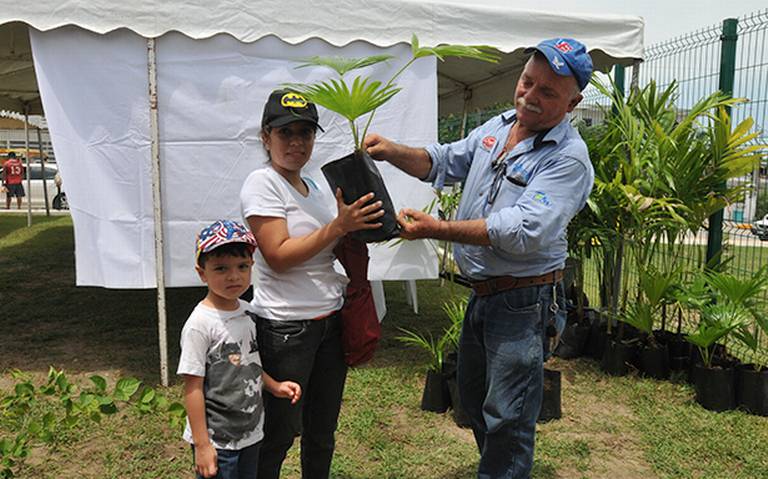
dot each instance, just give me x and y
(611, 39)
(64, 37)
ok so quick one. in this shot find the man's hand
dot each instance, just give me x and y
(416, 224)
(205, 460)
(414, 161)
(378, 147)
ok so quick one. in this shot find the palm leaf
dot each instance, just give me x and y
(478, 52)
(342, 65)
(363, 97)
(435, 348)
(640, 315)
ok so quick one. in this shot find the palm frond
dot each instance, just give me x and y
(342, 65)
(336, 95)
(484, 53)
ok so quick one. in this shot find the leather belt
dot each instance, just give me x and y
(504, 283)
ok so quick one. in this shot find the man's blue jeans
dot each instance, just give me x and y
(500, 373)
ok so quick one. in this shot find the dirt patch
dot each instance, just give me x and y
(605, 424)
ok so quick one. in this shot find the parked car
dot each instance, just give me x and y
(37, 193)
(760, 228)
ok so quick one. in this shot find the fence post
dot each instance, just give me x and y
(618, 79)
(727, 72)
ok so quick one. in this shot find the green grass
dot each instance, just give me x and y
(612, 427)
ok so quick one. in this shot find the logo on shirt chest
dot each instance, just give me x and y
(488, 143)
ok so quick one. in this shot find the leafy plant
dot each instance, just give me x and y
(455, 309)
(660, 172)
(46, 414)
(435, 347)
(449, 204)
(749, 293)
(655, 290)
(726, 305)
(716, 321)
(365, 95)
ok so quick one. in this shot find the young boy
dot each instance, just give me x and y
(220, 360)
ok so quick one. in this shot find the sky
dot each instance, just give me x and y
(663, 19)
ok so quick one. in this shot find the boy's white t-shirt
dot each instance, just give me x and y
(222, 347)
(307, 290)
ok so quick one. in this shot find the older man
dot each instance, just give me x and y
(526, 173)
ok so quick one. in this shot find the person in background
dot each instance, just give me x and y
(13, 178)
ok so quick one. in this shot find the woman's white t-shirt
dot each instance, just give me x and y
(310, 289)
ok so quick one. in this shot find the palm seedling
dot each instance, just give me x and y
(364, 95)
(356, 174)
(726, 305)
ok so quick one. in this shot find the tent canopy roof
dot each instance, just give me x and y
(611, 39)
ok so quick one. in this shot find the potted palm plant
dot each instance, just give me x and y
(356, 174)
(435, 397)
(455, 309)
(659, 174)
(723, 307)
(655, 289)
(751, 379)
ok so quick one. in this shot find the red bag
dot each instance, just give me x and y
(361, 330)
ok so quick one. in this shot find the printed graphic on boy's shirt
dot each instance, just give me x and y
(233, 393)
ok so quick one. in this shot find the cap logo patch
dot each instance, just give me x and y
(564, 46)
(293, 100)
(557, 63)
(488, 142)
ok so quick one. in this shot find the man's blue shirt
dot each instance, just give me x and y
(541, 184)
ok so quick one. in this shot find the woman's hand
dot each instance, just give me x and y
(358, 215)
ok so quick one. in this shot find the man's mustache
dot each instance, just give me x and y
(521, 103)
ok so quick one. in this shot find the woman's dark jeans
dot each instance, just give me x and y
(308, 352)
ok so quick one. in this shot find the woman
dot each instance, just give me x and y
(298, 293)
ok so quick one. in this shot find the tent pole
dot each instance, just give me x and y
(42, 169)
(29, 177)
(162, 327)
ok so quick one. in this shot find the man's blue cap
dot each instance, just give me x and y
(567, 57)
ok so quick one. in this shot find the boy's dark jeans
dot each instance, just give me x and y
(308, 352)
(239, 464)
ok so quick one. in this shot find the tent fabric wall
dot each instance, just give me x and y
(211, 94)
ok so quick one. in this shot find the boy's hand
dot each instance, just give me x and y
(289, 390)
(205, 460)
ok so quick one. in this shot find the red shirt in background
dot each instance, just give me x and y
(14, 172)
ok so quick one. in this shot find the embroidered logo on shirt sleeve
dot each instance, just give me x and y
(541, 197)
